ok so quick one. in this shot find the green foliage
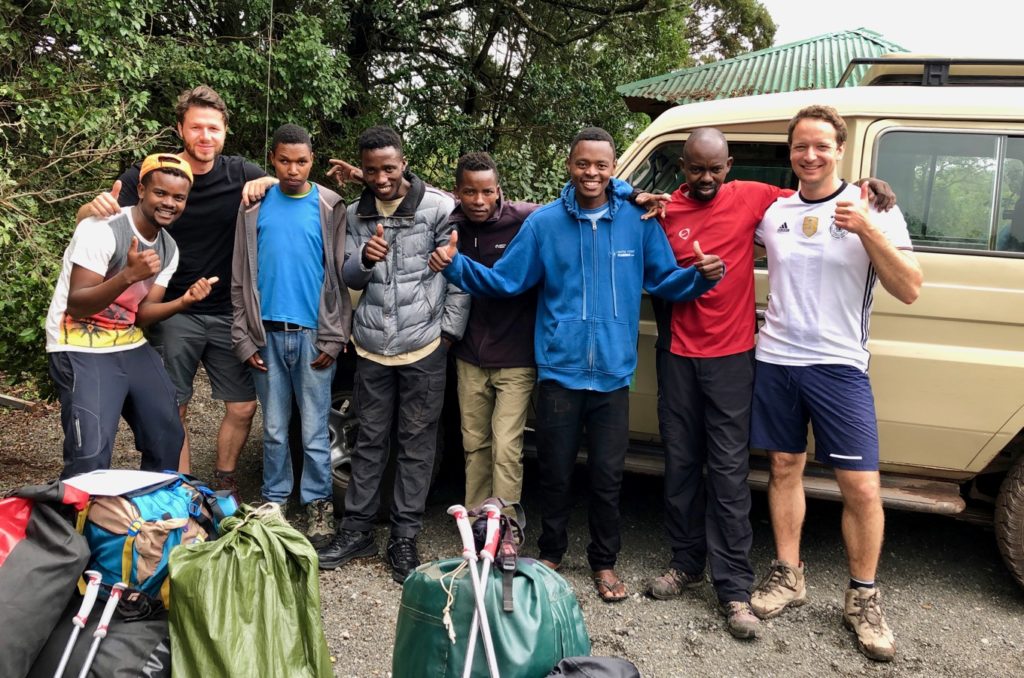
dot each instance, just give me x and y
(88, 86)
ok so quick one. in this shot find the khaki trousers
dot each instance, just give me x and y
(494, 403)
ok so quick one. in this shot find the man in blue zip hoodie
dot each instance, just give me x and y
(590, 255)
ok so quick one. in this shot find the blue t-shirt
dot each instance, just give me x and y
(290, 257)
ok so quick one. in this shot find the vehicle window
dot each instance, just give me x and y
(1010, 233)
(947, 185)
(752, 161)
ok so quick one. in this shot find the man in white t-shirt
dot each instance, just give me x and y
(112, 283)
(827, 247)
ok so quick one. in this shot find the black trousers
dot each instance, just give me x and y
(418, 392)
(562, 415)
(704, 415)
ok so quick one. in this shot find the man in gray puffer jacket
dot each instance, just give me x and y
(407, 318)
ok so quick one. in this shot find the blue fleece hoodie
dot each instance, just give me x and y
(590, 279)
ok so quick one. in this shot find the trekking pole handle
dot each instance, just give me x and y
(108, 611)
(458, 511)
(92, 589)
(491, 534)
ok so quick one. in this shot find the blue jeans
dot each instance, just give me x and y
(287, 356)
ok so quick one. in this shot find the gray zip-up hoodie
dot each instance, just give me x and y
(334, 318)
(404, 305)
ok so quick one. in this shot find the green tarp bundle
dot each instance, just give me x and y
(545, 626)
(248, 604)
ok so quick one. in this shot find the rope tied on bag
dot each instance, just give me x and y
(446, 617)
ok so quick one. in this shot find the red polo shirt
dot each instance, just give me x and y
(721, 321)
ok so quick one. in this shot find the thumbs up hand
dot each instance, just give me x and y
(710, 266)
(376, 247)
(443, 255)
(141, 264)
(852, 215)
(105, 204)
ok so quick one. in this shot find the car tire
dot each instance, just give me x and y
(1009, 520)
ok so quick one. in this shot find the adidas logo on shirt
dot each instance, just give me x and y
(784, 228)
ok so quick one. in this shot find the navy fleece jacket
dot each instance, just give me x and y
(590, 281)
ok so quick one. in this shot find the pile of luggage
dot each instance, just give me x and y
(125, 573)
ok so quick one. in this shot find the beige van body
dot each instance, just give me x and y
(947, 371)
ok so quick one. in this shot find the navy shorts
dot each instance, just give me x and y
(836, 399)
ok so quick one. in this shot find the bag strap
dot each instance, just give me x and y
(128, 552)
(508, 558)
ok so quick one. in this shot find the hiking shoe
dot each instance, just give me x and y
(783, 586)
(862, 614)
(320, 522)
(225, 480)
(673, 583)
(402, 557)
(346, 545)
(740, 620)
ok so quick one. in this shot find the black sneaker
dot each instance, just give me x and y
(402, 557)
(346, 545)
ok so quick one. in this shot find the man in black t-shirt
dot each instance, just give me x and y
(205, 235)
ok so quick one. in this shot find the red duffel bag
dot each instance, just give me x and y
(41, 560)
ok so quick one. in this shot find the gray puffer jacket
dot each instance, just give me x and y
(404, 305)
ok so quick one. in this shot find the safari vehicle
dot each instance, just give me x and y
(947, 371)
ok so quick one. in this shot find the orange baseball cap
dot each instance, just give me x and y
(165, 161)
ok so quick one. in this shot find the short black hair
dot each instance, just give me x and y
(165, 170)
(592, 134)
(290, 134)
(476, 161)
(379, 136)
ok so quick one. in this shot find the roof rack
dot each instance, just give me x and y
(937, 71)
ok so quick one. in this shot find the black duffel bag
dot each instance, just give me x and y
(131, 649)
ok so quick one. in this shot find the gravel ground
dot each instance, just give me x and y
(954, 608)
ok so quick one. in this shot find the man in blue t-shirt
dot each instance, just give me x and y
(291, 320)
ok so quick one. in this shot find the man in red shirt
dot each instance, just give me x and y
(705, 366)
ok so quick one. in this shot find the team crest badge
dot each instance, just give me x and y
(810, 226)
(835, 231)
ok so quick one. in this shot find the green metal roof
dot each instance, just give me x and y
(808, 64)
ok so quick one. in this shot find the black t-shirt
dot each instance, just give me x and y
(205, 231)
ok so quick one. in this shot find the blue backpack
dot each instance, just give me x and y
(132, 535)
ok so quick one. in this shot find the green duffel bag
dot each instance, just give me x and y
(248, 604)
(545, 626)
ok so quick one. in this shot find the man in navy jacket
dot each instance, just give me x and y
(590, 255)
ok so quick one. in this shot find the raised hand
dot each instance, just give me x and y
(105, 204)
(443, 255)
(654, 203)
(852, 215)
(710, 266)
(254, 190)
(376, 247)
(343, 173)
(141, 264)
(199, 290)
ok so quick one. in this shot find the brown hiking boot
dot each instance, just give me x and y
(740, 620)
(862, 614)
(225, 480)
(320, 522)
(673, 583)
(783, 586)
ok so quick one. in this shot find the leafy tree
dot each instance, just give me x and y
(88, 87)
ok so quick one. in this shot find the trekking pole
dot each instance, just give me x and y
(101, 631)
(92, 587)
(469, 554)
(490, 548)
